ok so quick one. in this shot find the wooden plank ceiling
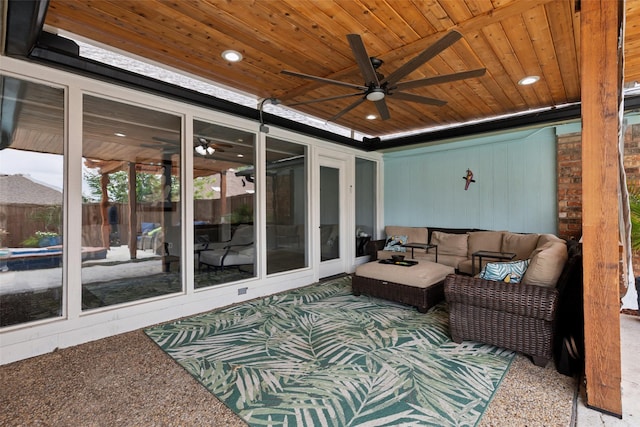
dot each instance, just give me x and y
(510, 38)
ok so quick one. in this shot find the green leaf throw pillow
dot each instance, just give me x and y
(394, 243)
(510, 272)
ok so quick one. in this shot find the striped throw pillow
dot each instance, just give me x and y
(510, 272)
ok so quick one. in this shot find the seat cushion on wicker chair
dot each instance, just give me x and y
(215, 258)
(422, 275)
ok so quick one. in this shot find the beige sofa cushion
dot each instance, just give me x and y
(484, 241)
(451, 260)
(466, 266)
(546, 238)
(546, 265)
(520, 244)
(450, 244)
(543, 242)
(387, 254)
(414, 234)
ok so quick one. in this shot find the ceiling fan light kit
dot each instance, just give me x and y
(378, 88)
(203, 151)
(376, 94)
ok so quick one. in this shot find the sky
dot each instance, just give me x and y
(45, 168)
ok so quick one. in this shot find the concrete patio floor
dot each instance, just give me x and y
(582, 417)
(630, 352)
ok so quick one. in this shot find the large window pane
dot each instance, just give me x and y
(31, 195)
(131, 203)
(286, 194)
(223, 204)
(365, 203)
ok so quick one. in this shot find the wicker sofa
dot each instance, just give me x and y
(456, 247)
(517, 316)
(531, 319)
(513, 316)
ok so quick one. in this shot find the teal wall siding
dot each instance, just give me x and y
(515, 186)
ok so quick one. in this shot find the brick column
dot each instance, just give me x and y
(570, 182)
(569, 186)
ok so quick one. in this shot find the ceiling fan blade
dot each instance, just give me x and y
(440, 79)
(212, 141)
(323, 80)
(163, 146)
(381, 105)
(450, 38)
(416, 98)
(362, 59)
(165, 140)
(346, 110)
(331, 98)
(217, 148)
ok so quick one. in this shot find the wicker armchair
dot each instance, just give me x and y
(513, 316)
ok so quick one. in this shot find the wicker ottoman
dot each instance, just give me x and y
(421, 285)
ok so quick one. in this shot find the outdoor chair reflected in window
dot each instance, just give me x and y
(236, 252)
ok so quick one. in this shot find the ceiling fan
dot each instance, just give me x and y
(207, 146)
(202, 145)
(377, 88)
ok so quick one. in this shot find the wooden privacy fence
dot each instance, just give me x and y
(23, 221)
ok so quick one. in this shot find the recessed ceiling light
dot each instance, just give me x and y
(529, 80)
(240, 155)
(120, 134)
(372, 117)
(232, 55)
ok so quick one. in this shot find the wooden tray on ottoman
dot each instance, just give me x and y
(421, 295)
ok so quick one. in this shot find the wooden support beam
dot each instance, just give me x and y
(105, 229)
(133, 212)
(223, 194)
(601, 88)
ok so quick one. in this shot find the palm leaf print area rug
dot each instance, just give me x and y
(319, 356)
